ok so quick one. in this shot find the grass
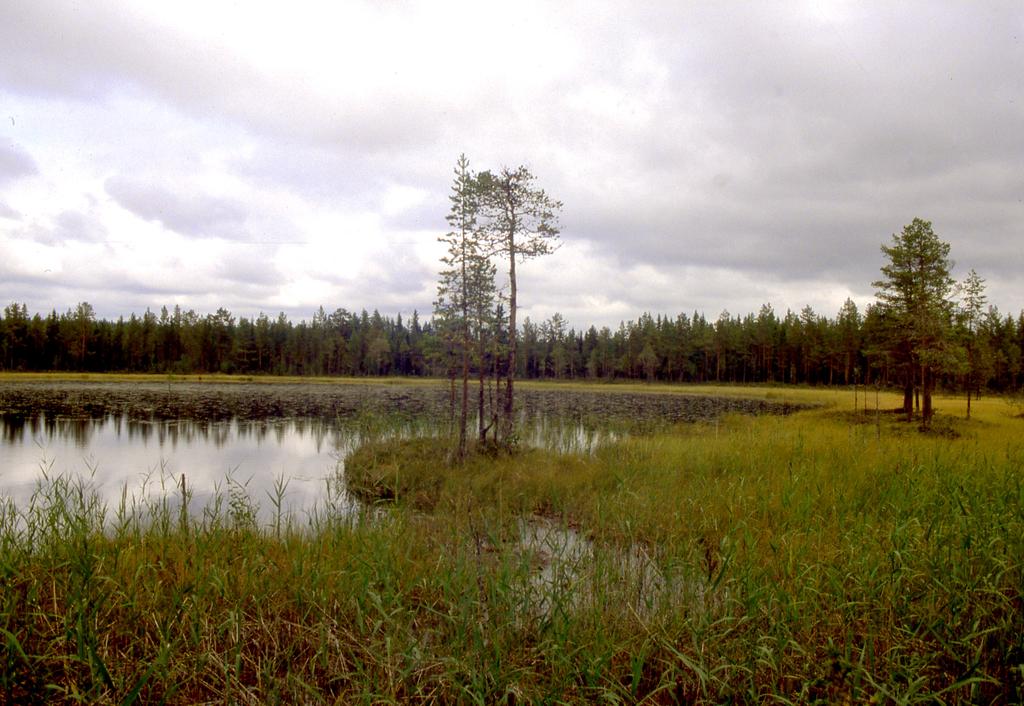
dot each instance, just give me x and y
(827, 556)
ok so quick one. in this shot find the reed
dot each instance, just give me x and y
(827, 556)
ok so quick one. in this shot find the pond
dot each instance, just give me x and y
(148, 458)
(275, 441)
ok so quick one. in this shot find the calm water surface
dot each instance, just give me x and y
(139, 438)
(149, 457)
(146, 459)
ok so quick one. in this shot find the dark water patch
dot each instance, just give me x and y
(214, 401)
(262, 401)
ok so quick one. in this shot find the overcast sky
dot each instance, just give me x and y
(710, 156)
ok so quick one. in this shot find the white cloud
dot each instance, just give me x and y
(15, 163)
(264, 156)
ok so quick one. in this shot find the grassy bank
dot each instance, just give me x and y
(826, 556)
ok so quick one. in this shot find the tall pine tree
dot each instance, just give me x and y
(522, 223)
(914, 296)
(466, 289)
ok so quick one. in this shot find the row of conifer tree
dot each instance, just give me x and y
(795, 347)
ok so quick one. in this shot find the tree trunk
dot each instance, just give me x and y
(493, 393)
(481, 425)
(481, 429)
(451, 397)
(464, 411)
(908, 396)
(465, 344)
(512, 340)
(928, 382)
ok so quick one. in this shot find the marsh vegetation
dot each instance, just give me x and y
(829, 555)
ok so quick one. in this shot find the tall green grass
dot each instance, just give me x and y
(828, 556)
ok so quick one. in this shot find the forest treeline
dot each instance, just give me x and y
(795, 347)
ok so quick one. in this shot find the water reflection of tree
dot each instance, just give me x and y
(14, 429)
(319, 430)
(17, 429)
(139, 430)
(555, 419)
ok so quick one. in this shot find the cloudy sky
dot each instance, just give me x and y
(713, 155)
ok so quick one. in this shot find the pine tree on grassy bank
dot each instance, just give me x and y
(917, 311)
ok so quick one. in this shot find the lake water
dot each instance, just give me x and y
(149, 457)
(141, 438)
